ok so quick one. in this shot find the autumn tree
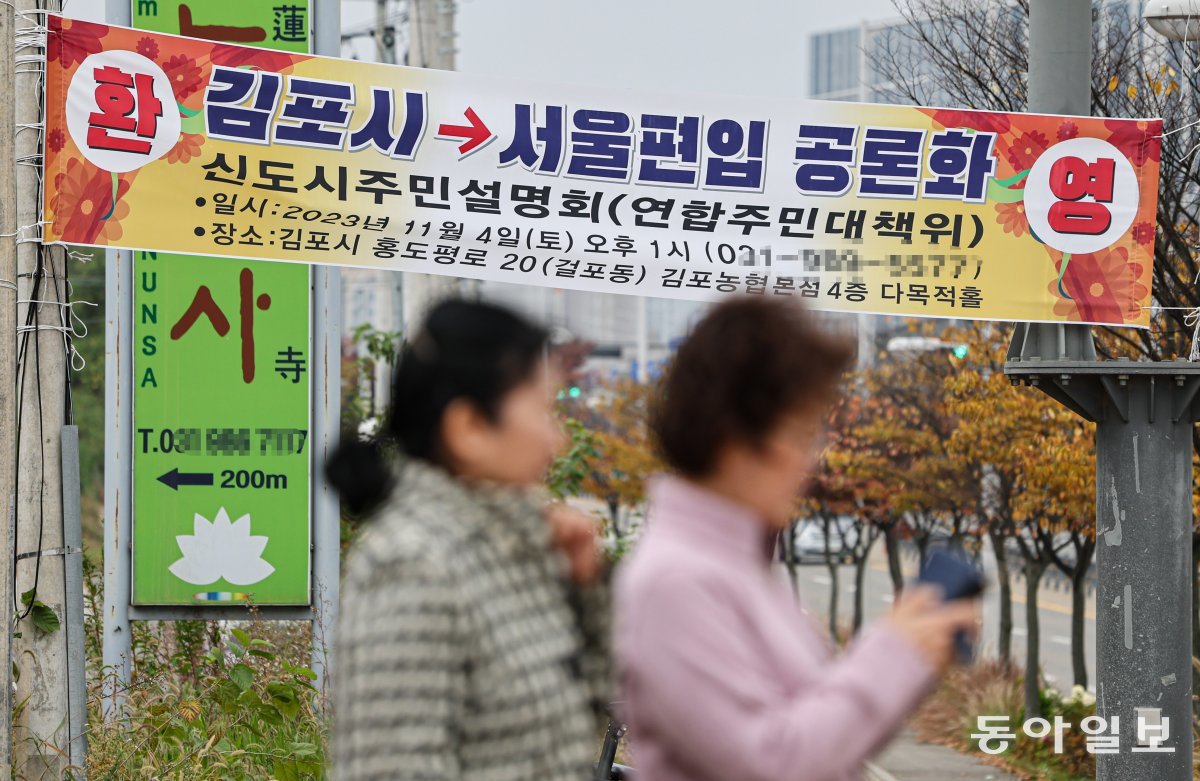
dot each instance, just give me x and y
(902, 442)
(1056, 504)
(1039, 488)
(991, 414)
(617, 415)
(845, 500)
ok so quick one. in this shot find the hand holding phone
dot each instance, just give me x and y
(958, 578)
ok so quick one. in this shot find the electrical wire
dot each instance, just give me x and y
(31, 316)
(34, 327)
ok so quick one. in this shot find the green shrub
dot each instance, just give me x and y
(247, 714)
(209, 701)
(991, 688)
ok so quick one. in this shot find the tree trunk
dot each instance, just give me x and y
(833, 598)
(1004, 639)
(1083, 563)
(860, 576)
(1033, 697)
(922, 541)
(891, 541)
(831, 563)
(788, 546)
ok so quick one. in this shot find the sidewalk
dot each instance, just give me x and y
(908, 760)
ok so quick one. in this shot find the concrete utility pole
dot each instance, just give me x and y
(8, 359)
(430, 45)
(1144, 413)
(385, 34)
(41, 736)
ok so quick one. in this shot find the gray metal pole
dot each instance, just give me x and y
(1144, 413)
(1144, 595)
(118, 477)
(73, 620)
(118, 455)
(1143, 565)
(1060, 56)
(8, 361)
(327, 399)
(1060, 82)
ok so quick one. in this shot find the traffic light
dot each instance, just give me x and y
(574, 392)
(960, 351)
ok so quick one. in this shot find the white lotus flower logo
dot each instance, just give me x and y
(221, 549)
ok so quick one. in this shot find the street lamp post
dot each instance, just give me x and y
(1144, 412)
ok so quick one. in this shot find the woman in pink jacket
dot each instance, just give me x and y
(723, 675)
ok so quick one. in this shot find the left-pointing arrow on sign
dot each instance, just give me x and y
(175, 478)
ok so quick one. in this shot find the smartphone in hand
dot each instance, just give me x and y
(959, 578)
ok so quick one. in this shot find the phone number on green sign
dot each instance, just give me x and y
(224, 441)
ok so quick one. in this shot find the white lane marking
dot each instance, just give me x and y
(876, 773)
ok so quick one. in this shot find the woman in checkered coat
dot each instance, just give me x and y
(473, 628)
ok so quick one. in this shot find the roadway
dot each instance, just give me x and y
(1054, 606)
(1054, 611)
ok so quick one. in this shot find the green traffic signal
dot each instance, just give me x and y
(961, 351)
(575, 392)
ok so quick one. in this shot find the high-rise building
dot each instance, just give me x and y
(610, 321)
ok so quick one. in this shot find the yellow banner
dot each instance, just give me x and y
(173, 144)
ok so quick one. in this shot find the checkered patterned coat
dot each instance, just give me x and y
(463, 652)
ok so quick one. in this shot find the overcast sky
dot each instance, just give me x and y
(756, 47)
(750, 47)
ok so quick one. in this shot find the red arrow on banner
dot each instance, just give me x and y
(474, 135)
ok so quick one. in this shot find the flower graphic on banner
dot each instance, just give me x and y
(188, 147)
(56, 139)
(1100, 285)
(148, 48)
(221, 549)
(1108, 285)
(1011, 217)
(1133, 141)
(1067, 130)
(74, 43)
(1025, 150)
(88, 202)
(1143, 233)
(185, 75)
(89, 205)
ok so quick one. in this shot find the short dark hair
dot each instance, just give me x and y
(464, 350)
(747, 364)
